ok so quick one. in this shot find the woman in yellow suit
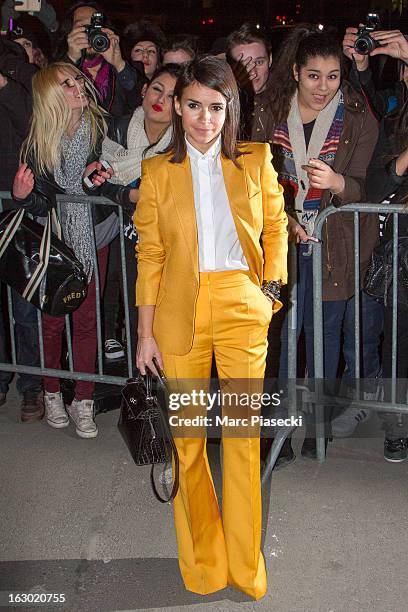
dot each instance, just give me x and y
(211, 256)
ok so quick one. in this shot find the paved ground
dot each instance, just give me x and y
(77, 517)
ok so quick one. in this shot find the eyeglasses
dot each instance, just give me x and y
(73, 81)
(148, 50)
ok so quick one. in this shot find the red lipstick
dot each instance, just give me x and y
(157, 107)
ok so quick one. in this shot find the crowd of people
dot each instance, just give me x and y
(334, 136)
(218, 158)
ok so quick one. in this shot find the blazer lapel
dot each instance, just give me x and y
(237, 191)
(181, 186)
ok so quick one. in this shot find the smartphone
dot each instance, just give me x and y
(28, 6)
(88, 179)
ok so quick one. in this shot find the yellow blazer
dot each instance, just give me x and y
(165, 219)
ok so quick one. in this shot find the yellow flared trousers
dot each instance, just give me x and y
(232, 319)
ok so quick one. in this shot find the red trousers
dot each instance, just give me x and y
(84, 341)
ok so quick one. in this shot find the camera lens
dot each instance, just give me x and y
(99, 42)
(364, 45)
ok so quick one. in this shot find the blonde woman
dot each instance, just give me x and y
(63, 145)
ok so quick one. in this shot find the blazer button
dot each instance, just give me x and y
(346, 141)
(258, 129)
(335, 284)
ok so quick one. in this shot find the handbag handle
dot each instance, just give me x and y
(44, 255)
(163, 383)
(44, 252)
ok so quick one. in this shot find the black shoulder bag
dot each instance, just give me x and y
(378, 279)
(144, 426)
(39, 265)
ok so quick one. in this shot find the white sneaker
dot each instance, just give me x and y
(82, 413)
(346, 423)
(55, 412)
(114, 349)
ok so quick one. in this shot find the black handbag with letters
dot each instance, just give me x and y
(38, 265)
(144, 426)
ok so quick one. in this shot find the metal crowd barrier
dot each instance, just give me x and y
(100, 375)
(315, 397)
(319, 398)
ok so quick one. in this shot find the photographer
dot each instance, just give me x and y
(383, 103)
(46, 14)
(15, 112)
(392, 43)
(119, 85)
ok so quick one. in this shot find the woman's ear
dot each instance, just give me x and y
(144, 89)
(177, 106)
(295, 73)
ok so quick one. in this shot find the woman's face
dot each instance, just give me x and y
(146, 51)
(158, 99)
(318, 82)
(203, 112)
(27, 46)
(73, 87)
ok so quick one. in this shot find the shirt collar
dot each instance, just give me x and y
(212, 152)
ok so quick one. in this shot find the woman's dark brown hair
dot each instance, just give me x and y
(215, 74)
(304, 43)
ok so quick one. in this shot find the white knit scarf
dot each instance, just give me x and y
(301, 156)
(126, 163)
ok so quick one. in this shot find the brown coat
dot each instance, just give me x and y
(357, 142)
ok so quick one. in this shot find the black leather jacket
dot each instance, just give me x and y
(118, 129)
(43, 196)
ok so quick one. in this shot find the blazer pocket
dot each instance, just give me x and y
(253, 194)
(253, 188)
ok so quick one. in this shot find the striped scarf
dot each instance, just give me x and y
(289, 137)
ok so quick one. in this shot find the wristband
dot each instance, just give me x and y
(272, 289)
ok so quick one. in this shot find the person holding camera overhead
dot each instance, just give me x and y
(391, 43)
(359, 44)
(84, 41)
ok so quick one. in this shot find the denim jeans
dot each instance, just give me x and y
(27, 347)
(333, 315)
(371, 328)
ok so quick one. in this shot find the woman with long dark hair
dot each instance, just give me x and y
(322, 142)
(211, 258)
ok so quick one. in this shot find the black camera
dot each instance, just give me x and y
(98, 40)
(365, 43)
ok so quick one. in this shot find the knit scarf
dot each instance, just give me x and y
(323, 145)
(127, 163)
(101, 80)
(75, 222)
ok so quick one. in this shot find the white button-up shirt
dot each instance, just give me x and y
(218, 243)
